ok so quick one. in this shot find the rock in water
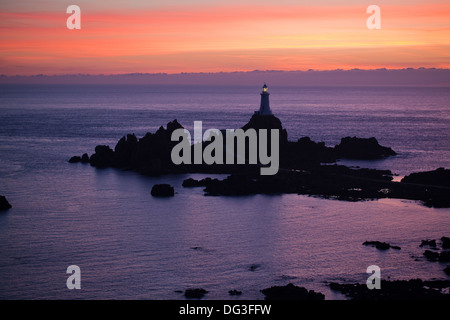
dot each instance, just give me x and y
(438, 177)
(196, 293)
(162, 190)
(103, 157)
(380, 245)
(85, 158)
(75, 159)
(291, 292)
(362, 148)
(4, 204)
(445, 242)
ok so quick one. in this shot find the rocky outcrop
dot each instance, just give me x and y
(447, 270)
(83, 159)
(152, 154)
(103, 157)
(162, 190)
(443, 256)
(438, 177)
(196, 293)
(414, 289)
(445, 242)
(192, 183)
(267, 122)
(4, 204)
(235, 292)
(300, 171)
(380, 245)
(362, 148)
(75, 159)
(149, 155)
(428, 242)
(291, 292)
(431, 255)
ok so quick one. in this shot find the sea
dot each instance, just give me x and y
(130, 245)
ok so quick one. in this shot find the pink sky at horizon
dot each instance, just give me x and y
(198, 36)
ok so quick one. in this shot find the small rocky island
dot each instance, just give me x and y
(305, 167)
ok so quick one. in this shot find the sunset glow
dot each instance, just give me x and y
(175, 36)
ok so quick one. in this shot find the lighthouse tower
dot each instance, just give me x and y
(264, 108)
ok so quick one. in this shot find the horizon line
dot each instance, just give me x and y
(219, 72)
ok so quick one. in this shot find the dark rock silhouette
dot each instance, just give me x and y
(414, 289)
(162, 190)
(196, 293)
(235, 292)
(4, 204)
(328, 181)
(447, 270)
(445, 243)
(267, 122)
(291, 292)
(191, 183)
(380, 245)
(103, 157)
(429, 243)
(148, 155)
(75, 159)
(438, 177)
(361, 148)
(254, 267)
(431, 255)
(85, 158)
(444, 256)
(301, 170)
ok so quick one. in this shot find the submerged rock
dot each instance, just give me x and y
(4, 204)
(196, 293)
(162, 190)
(254, 267)
(291, 292)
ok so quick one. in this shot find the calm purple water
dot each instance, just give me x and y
(132, 246)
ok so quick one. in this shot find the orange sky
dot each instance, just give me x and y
(191, 36)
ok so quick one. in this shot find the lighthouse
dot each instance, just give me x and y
(264, 108)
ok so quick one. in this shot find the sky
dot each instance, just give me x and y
(174, 36)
